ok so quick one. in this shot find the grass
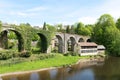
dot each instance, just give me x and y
(58, 60)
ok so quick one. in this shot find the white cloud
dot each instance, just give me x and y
(22, 14)
(87, 20)
(40, 8)
(112, 7)
(33, 12)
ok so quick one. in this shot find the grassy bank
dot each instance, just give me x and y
(57, 60)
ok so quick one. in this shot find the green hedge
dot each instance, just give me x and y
(4, 55)
(25, 54)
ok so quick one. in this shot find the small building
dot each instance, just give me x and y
(87, 48)
(101, 49)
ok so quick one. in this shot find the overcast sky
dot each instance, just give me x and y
(36, 12)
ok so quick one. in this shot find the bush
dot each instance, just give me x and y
(11, 44)
(66, 54)
(74, 54)
(25, 54)
(46, 56)
(71, 53)
(5, 55)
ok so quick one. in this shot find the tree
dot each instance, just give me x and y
(59, 27)
(78, 28)
(106, 33)
(90, 28)
(44, 26)
(82, 30)
(11, 35)
(0, 25)
(51, 28)
(72, 30)
(68, 29)
(118, 23)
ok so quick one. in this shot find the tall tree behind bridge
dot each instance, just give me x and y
(68, 29)
(82, 30)
(44, 26)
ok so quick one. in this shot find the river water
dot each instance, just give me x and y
(107, 70)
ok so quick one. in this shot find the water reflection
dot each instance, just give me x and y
(13, 78)
(110, 70)
(0, 78)
(53, 73)
(34, 76)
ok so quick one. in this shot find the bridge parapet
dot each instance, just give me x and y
(3, 29)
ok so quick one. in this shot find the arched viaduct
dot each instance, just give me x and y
(63, 41)
(68, 42)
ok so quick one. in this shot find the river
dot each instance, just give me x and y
(107, 70)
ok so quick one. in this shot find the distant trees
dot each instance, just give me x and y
(68, 29)
(60, 28)
(51, 28)
(81, 29)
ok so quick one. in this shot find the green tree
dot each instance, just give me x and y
(118, 23)
(79, 27)
(51, 28)
(60, 28)
(44, 26)
(12, 35)
(0, 25)
(106, 33)
(90, 28)
(68, 29)
(82, 30)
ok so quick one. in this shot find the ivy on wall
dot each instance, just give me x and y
(26, 34)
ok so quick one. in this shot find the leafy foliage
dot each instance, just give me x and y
(68, 29)
(11, 35)
(44, 26)
(25, 54)
(118, 23)
(106, 33)
(82, 30)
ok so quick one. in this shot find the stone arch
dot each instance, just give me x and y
(81, 40)
(71, 44)
(4, 39)
(59, 41)
(44, 43)
(89, 40)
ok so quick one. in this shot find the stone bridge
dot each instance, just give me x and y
(62, 42)
(4, 39)
(68, 42)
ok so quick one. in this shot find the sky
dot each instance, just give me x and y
(36, 12)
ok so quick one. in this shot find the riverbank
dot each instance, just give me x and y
(66, 60)
(56, 61)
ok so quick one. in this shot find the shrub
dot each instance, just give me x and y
(25, 54)
(46, 56)
(5, 55)
(11, 44)
(74, 54)
(66, 54)
(71, 53)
